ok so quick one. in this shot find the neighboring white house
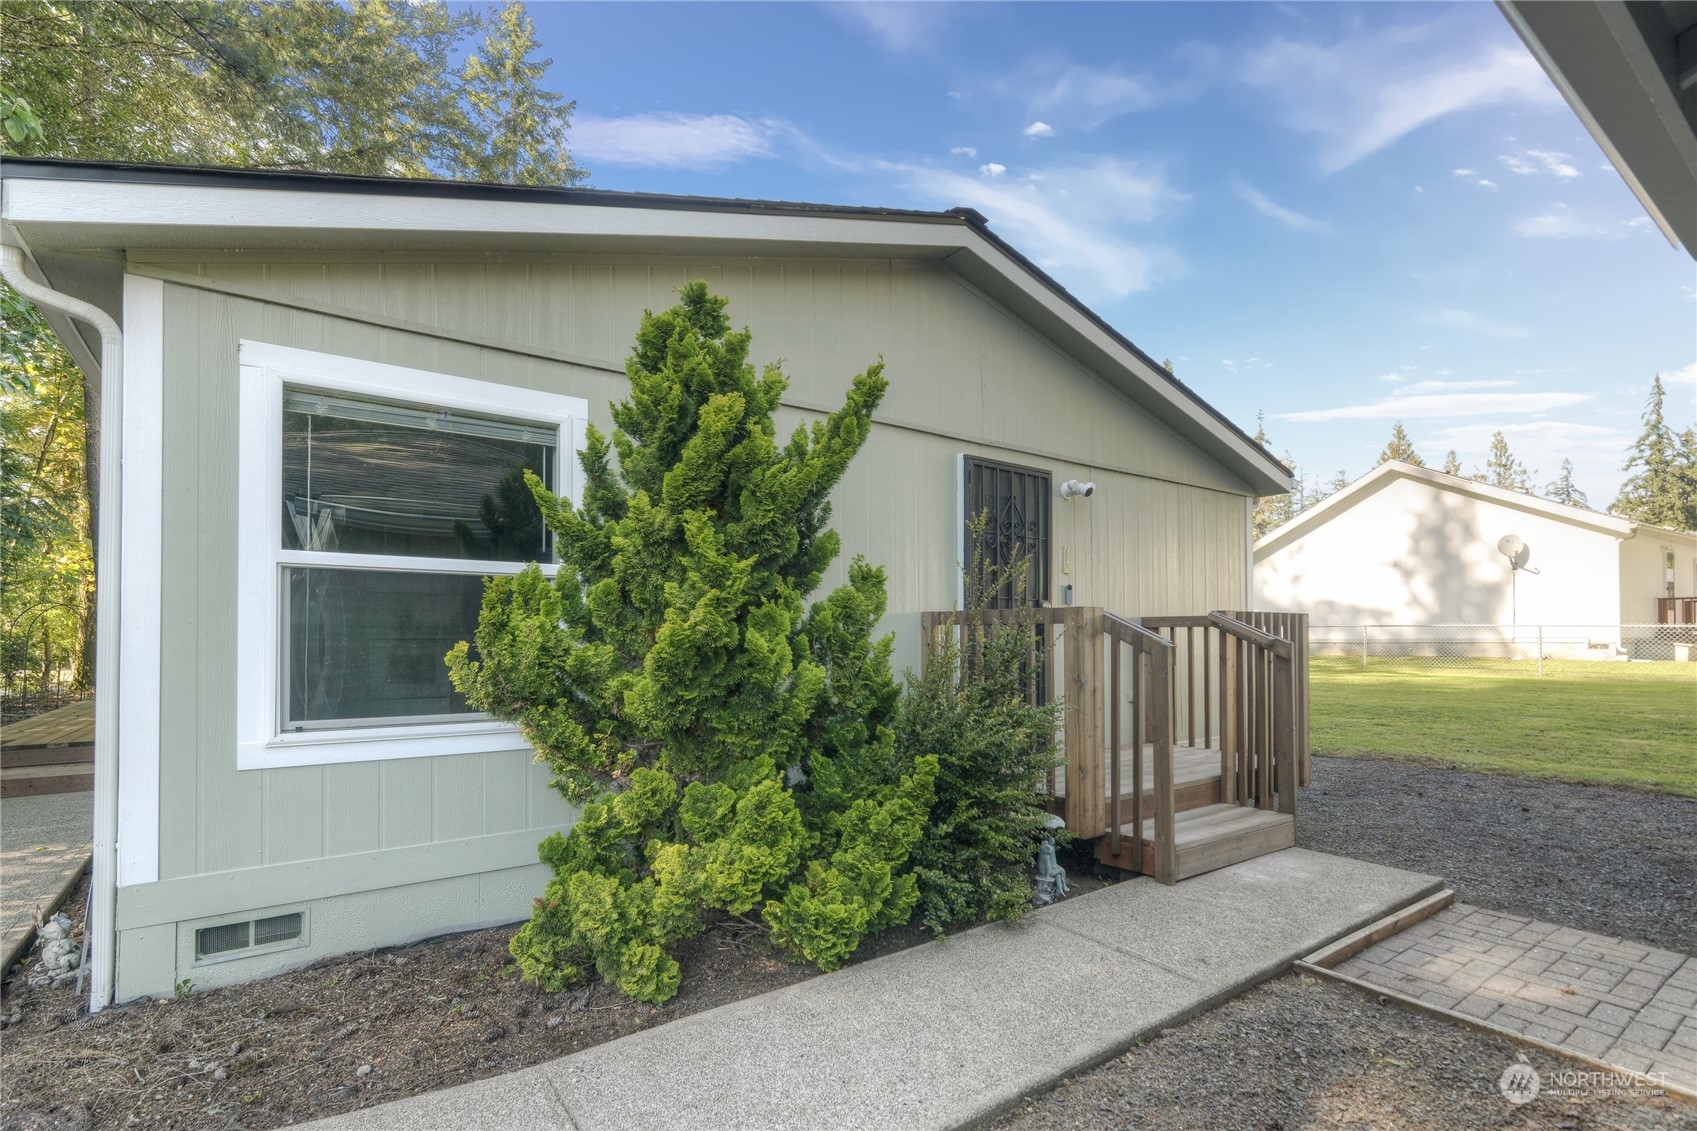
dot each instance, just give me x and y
(1409, 545)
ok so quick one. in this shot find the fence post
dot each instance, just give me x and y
(1363, 647)
(1540, 649)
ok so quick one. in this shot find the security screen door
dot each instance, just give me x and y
(1015, 501)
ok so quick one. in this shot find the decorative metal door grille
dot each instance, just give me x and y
(1015, 500)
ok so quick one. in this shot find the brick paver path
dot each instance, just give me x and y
(1619, 1002)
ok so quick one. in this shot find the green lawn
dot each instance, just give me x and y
(1614, 724)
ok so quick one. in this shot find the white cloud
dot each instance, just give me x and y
(1467, 320)
(1039, 129)
(1472, 177)
(1556, 224)
(965, 151)
(1371, 88)
(992, 169)
(1086, 97)
(897, 26)
(674, 141)
(1439, 406)
(1077, 222)
(1290, 219)
(1456, 386)
(1391, 378)
(1531, 162)
(1686, 375)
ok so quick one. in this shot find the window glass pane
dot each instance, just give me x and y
(369, 477)
(368, 644)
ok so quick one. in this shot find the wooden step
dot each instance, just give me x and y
(1209, 837)
(27, 781)
(1196, 781)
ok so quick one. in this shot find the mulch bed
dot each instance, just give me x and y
(366, 1028)
(347, 1032)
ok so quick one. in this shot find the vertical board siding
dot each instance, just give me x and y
(1168, 539)
(957, 361)
(353, 798)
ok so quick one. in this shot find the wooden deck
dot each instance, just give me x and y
(50, 753)
(1209, 713)
(1196, 780)
(1207, 837)
(68, 726)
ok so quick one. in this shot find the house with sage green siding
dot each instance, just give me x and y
(316, 395)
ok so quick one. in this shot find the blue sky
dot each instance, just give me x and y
(1340, 215)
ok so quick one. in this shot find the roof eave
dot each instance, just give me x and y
(384, 209)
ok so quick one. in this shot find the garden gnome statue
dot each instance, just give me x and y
(1051, 877)
(59, 955)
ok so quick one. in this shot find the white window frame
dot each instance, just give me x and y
(265, 370)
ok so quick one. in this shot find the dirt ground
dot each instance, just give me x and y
(346, 1032)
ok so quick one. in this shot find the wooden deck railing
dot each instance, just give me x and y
(1676, 610)
(1236, 682)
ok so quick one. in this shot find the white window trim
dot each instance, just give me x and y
(265, 369)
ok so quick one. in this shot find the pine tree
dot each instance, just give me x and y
(1564, 491)
(1503, 470)
(1686, 466)
(1272, 511)
(1401, 447)
(1452, 463)
(518, 128)
(1655, 493)
(732, 744)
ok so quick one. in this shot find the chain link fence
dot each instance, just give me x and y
(1532, 649)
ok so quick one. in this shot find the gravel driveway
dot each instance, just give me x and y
(1601, 859)
(1296, 1052)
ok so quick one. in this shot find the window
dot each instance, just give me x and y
(1667, 571)
(374, 501)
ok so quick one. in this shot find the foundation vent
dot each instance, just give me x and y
(231, 940)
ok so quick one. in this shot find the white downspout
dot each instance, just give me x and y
(101, 930)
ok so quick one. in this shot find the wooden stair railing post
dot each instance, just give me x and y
(1114, 756)
(1165, 848)
(1137, 671)
(1228, 720)
(1305, 759)
(1284, 707)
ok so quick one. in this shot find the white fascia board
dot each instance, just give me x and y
(1342, 500)
(140, 206)
(136, 207)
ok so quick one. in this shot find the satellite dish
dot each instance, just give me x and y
(1517, 552)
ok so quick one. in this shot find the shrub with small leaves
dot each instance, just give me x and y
(729, 744)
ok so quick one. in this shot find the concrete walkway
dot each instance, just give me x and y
(1623, 1003)
(946, 1033)
(44, 842)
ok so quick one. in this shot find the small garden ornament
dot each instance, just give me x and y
(1051, 877)
(59, 954)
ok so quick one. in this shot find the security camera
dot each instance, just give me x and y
(1072, 488)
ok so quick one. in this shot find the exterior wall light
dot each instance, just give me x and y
(1072, 488)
